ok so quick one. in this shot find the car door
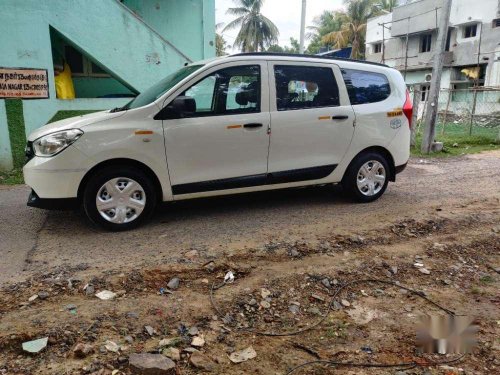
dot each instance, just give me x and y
(224, 143)
(312, 122)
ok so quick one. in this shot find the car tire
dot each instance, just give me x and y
(130, 201)
(367, 177)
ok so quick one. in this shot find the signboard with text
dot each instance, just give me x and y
(24, 83)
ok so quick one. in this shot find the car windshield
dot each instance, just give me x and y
(160, 88)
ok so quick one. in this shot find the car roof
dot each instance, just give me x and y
(296, 56)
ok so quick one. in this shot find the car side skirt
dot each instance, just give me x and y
(281, 177)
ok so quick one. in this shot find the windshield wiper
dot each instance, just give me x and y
(119, 109)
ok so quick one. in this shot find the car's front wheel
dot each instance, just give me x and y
(367, 177)
(119, 198)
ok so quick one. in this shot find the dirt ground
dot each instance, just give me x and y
(437, 231)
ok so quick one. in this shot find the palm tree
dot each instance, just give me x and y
(326, 23)
(352, 31)
(257, 32)
(387, 5)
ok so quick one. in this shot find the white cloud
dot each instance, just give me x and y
(284, 13)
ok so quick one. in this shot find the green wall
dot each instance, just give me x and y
(128, 46)
(86, 86)
(190, 23)
(94, 87)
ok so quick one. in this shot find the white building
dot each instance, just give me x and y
(406, 39)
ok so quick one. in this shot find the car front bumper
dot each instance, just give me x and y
(52, 203)
(57, 177)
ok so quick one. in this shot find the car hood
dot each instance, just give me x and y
(74, 122)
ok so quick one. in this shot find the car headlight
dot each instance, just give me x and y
(52, 144)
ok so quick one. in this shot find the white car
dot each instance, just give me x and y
(236, 124)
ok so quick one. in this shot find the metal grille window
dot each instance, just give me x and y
(425, 42)
(377, 48)
(424, 93)
(470, 31)
(496, 22)
(74, 59)
(81, 65)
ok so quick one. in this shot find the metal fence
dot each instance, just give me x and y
(471, 111)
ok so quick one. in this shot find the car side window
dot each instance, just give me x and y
(234, 90)
(366, 87)
(301, 87)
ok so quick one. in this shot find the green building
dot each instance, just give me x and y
(114, 49)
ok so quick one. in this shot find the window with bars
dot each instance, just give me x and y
(80, 65)
(425, 43)
(424, 92)
(470, 31)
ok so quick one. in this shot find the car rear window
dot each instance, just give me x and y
(302, 87)
(366, 87)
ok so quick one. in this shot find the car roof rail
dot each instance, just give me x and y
(308, 57)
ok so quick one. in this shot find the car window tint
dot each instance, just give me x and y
(228, 91)
(299, 87)
(366, 87)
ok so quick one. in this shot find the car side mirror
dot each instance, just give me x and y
(180, 107)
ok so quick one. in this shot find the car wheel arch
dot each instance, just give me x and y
(121, 162)
(382, 151)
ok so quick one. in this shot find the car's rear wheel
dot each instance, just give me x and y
(119, 198)
(367, 177)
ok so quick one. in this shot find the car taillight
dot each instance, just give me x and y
(408, 108)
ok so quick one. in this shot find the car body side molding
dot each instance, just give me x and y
(282, 177)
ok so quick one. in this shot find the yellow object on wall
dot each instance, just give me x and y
(64, 84)
(471, 72)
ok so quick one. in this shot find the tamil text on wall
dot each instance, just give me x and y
(23, 83)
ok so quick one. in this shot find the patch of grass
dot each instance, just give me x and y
(487, 279)
(461, 129)
(337, 330)
(14, 177)
(17, 133)
(457, 141)
(61, 115)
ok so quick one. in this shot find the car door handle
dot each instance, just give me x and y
(340, 117)
(253, 125)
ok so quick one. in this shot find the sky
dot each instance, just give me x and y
(284, 13)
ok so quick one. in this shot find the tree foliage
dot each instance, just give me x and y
(327, 22)
(220, 42)
(332, 29)
(293, 48)
(256, 31)
(340, 29)
(387, 5)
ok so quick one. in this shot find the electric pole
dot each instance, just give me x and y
(302, 27)
(437, 69)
